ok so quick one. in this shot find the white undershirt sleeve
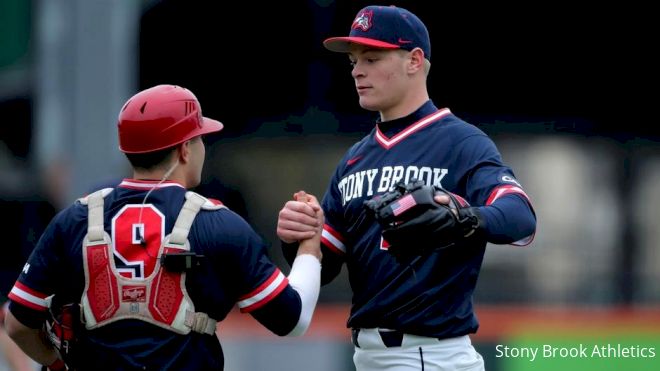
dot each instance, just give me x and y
(305, 278)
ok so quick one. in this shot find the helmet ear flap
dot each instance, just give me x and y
(161, 117)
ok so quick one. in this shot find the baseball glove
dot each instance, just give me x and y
(414, 223)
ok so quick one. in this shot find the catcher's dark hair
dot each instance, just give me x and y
(149, 160)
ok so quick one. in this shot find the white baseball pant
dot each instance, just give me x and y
(388, 350)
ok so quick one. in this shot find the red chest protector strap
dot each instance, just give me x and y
(160, 299)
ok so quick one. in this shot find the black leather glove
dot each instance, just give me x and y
(414, 223)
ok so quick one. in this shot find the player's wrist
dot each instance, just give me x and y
(311, 247)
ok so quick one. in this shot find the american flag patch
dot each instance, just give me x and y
(402, 205)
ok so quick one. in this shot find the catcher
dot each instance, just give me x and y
(151, 267)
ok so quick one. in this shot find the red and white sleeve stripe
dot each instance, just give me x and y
(264, 293)
(505, 190)
(28, 297)
(333, 240)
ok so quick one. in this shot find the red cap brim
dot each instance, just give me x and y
(210, 126)
(343, 44)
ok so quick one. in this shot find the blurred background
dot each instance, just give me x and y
(565, 93)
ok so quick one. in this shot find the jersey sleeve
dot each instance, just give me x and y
(485, 177)
(262, 289)
(487, 180)
(333, 229)
(258, 279)
(333, 237)
(36, 281)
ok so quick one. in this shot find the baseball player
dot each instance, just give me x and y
(150, 267)
(412, 261)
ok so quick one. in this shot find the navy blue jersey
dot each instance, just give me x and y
(431, 295)
(235, 269)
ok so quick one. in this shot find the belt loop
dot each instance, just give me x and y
(391, 338)
(354, 336)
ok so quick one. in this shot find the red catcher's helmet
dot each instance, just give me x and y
(161, 117)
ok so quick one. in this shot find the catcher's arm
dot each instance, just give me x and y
(34, 342)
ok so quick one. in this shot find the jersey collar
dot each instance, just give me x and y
(389, 133)
(147, 184)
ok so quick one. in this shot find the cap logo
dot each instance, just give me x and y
(190, 107)
(363, 20)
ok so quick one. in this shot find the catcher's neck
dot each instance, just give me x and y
(174, 173)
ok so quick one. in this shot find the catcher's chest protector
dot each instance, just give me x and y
(160, 299)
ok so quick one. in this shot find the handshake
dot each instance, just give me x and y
(301, 220)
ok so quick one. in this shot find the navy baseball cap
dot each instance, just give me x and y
(384, 27)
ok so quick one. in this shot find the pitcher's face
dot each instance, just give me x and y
(380, 77)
